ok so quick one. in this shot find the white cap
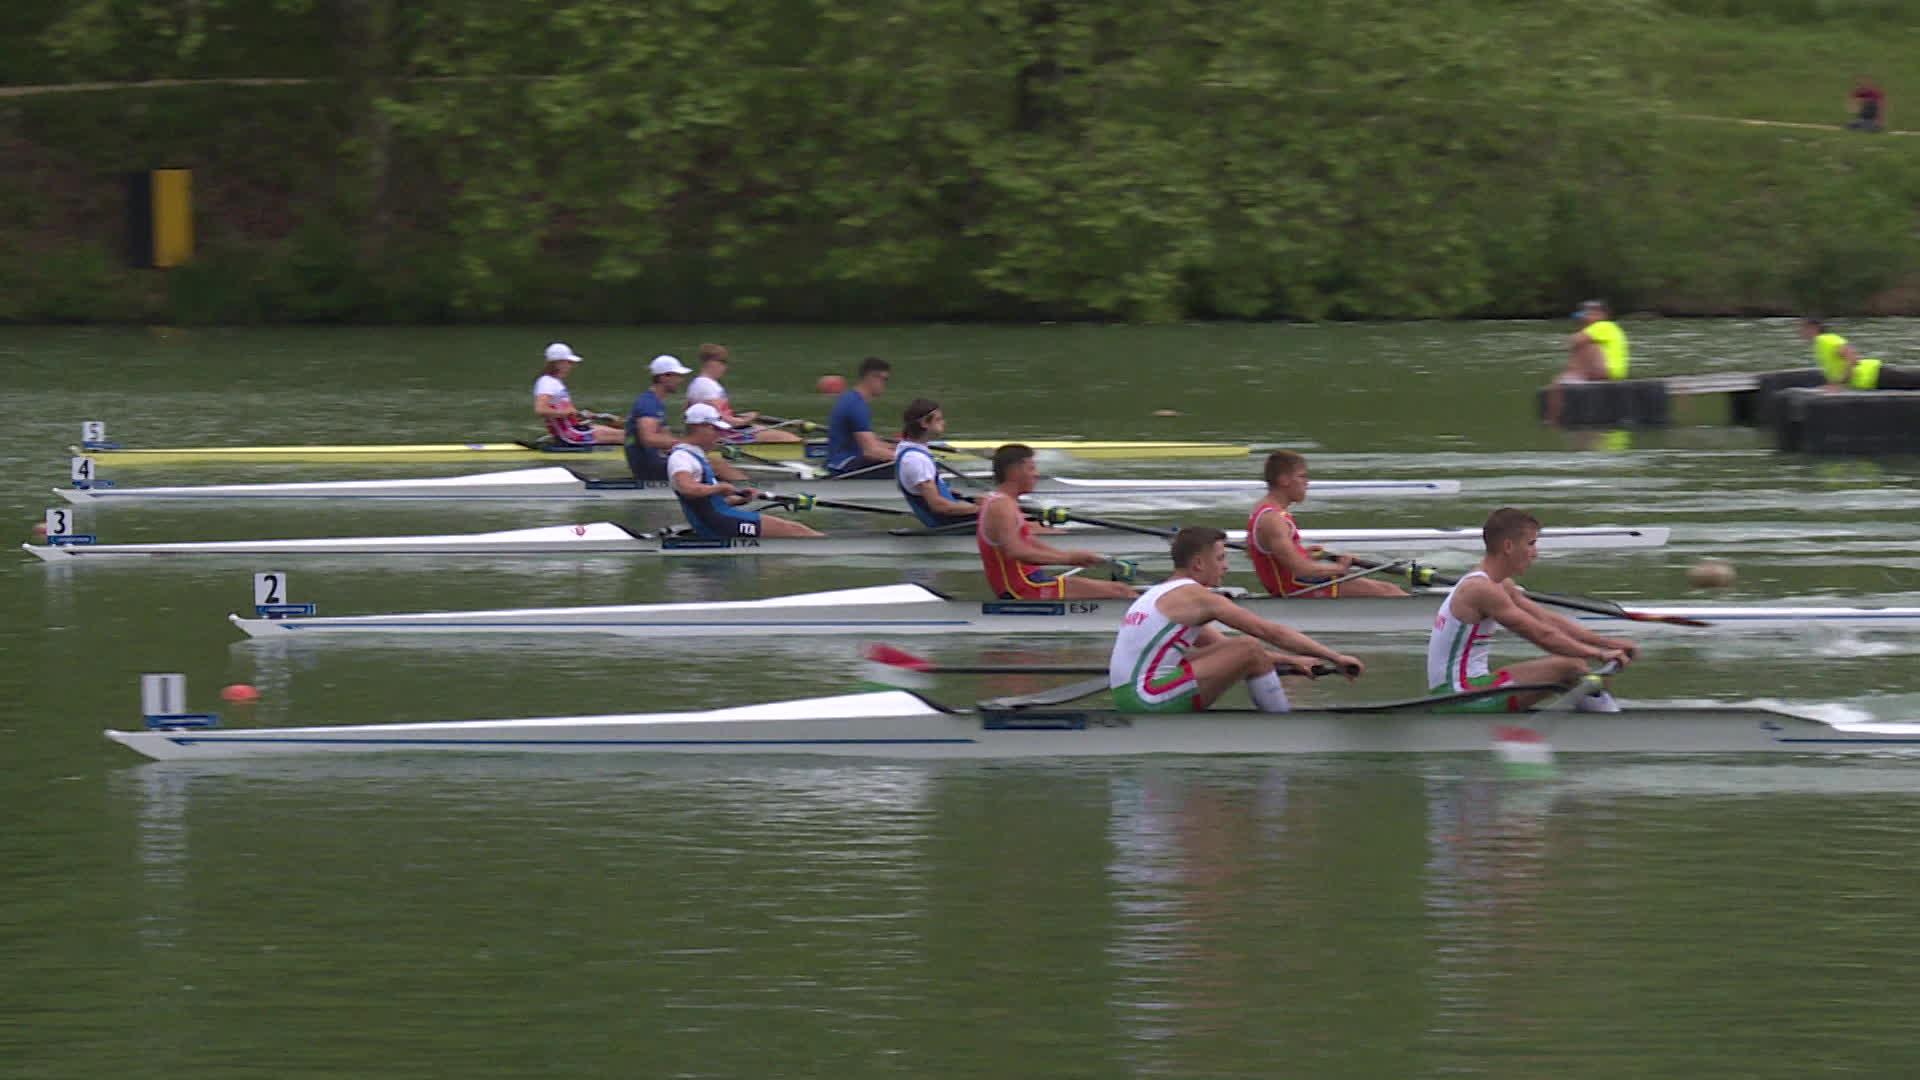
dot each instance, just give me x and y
(560, 350)
(704, 413)
(668, 365)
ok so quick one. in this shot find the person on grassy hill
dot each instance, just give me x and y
(1868, 103)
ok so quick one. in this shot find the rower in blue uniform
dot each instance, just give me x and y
(918, 474)
(714, 507)
(851, 444)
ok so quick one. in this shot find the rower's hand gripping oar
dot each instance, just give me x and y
(1572, 603)
(1123, 569)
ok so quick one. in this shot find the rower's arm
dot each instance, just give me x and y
(1003, 531)
(1499, 603)
(930, 491)
(545, 405)
(1277, 538)
(692, 487)
(1568, 626)
(654, 434)
(873, 447)
(1200, 606)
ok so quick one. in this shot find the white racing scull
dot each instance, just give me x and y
(528, 451)
(911, 609)
(603, 537)
(901, 724)
(559, 484)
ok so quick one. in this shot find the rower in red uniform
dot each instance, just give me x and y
(1285, 564)
(1013, 558)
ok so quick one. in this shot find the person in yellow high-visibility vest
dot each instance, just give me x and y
(1597, 352)
(1845, 368)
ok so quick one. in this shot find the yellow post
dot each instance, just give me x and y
(172, 216)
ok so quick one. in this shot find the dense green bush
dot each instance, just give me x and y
(1008, 159)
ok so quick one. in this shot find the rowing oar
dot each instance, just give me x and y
(807, 427)
(797, 470)
(1576, 603)
(895, 666)
(804, 501)
(1360, 573)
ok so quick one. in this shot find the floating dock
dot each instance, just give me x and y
(1848, 422)
(1752, 398)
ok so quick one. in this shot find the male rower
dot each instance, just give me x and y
(705, 389)
(1597, 352)
(1285, 564)
(1168, 657)
(918, 474)
(713, 506)
(851, 444)
(1489, 598)
(648, 439)
(1845, 368)
(1012, 557)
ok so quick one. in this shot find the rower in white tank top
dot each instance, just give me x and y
(1148, 670)
(1456, 651)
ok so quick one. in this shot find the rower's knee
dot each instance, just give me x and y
(1254, 658)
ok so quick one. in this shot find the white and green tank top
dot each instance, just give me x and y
(1150, 651)
(1457, 651)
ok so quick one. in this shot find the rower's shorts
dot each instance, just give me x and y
(1493, 703)
(1037, 585)
(1171, 692)
(729, 524)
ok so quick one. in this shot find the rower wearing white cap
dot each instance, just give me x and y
(714, 506)
(553, 404)
(705, 389)
(647, 437)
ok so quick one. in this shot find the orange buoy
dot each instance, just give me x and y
(239, 694)
(831, 384)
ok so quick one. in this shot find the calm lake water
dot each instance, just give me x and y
(1325, 917)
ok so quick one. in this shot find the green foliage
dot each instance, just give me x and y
(687, 160)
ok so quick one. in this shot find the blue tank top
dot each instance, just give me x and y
(645, 462)
(711, 516)
(850, 416)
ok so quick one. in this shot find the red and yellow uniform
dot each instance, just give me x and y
(1009, 578)
(1273, 573)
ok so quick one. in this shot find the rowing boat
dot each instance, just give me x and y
(558, 484)
(893, 610)
(609, 537)
(902, 724)
(509, 451)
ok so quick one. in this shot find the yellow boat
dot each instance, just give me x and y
(516, 451)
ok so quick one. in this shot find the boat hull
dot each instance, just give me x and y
(511, 451)
(910, 610)
(896, 724)
(555, 484)
(608, 538)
